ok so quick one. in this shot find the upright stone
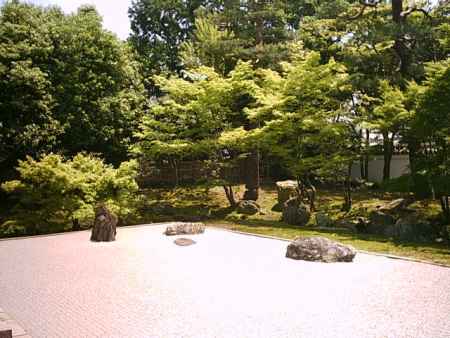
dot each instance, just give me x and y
(5, 333)
(286, 190)
(105, 223)
(295, 212)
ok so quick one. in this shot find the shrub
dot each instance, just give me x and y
(416, 184)
(53, 190)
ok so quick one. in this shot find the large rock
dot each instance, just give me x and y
(319, 249)
(286, 190)
(380, 223)
(247, 207)
(105, 223)
(413, 228)
(185, 229)
(323, 220)
(295, 212)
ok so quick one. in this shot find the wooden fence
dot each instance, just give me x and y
(189, 172)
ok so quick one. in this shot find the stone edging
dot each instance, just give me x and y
(7, 323)
(360, 251)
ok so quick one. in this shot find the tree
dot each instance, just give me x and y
(432, 125)
(97, 85)
(307, 122)
(159, 27)
(66, 85)
(27, 123)
(388, 118)
(187, 122)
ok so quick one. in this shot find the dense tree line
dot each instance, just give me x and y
(318, 85)
(66, 85)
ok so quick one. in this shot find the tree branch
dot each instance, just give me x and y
(364, 4)
(411, 10)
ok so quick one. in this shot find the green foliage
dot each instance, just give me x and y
(307, 122)
(54, 190)
(389, 114)
(158, 28)
(172, 35)
(188, 121)
(432, 126)
(66, 85)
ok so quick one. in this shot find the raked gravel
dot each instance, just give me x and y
(226, 285)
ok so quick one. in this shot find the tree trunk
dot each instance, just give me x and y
(397, 9)
(252, 181)
(445, 206)
(251, 170)
(366, 155)
(348, 190)
(399, 45)
(230, 195)
(177, 176)
(388, 149)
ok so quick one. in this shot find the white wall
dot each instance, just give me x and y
(399, 167)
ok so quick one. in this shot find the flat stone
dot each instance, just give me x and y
(4, 316)
(184, 241)
(396, 205)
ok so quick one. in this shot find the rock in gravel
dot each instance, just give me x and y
(184, 241)
(105, 223)
(319, 249)
(185, 229)
(247, 207)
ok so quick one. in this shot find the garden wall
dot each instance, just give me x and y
(399, 167)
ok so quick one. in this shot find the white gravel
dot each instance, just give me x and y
(226, 285)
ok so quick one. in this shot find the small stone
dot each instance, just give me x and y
(184, 241)
(319, 249)
(185, 229)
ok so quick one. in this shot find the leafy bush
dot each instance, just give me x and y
(53, 190)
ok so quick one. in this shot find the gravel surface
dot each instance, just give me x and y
(226, 285)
